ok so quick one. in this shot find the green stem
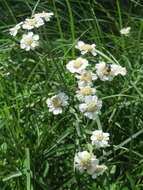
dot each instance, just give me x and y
(59, 24)
(27, 164)
(71, 25)
(9, 10)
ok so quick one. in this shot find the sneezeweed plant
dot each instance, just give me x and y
(30, 40)
(90, 105)
(85, 161)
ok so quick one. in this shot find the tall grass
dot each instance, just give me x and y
(37, 148)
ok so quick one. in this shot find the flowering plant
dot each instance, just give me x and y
(86, 74)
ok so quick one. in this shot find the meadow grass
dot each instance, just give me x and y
(37, 148)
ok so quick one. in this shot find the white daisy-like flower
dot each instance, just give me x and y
(107, 72)
(104, 72)
(57, 102)
(77, 66)
(125, 31)
(91, 108)
(13, 31)
(29, 41)
(31, 23)
(99, 170)
(100, 139)
(85, 91)
(86, 78)
(85, 48)
(44, 15)
(118, 70)
(85, 161)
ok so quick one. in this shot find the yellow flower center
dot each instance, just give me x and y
(28, 41)
(77, 64)
(100, 137)
(57, 102)
(32, 22)
(92, 107)
(86, 91)
(86, 77)
(86, 47)
(86, 162)
(118, 69)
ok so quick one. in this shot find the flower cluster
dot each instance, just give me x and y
(29, 41)
(90, 104)
(87, 161)
(108, 72)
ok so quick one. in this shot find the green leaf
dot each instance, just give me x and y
(131, 180)
(12, 175)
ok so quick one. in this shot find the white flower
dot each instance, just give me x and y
(29, 41)
(32, 23)
(86, 78)
(85, 48)
(77, 66)
(44, 15)
(125, 31)
(91, 107)
(13, 31)
(85, 161)
(103, 70)
(85, 91)
(57, 102)
(99, 170)
(118, 70)
(100, 139)
(108, 72)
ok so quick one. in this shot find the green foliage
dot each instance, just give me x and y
(36, 148)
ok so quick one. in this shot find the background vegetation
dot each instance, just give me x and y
(37, 148)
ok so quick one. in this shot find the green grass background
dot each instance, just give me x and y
(37, 148)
